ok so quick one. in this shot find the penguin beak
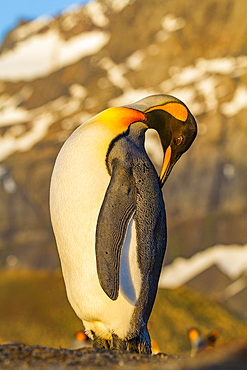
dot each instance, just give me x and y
(167, 166)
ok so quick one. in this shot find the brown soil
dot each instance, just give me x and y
(232, 355)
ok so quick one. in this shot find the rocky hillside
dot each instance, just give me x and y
(57, 73)
(219, 272)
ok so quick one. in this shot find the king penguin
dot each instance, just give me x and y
(109, 219)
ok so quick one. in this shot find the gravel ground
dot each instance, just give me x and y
(20, 356)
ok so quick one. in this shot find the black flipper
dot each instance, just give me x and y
(116, 211)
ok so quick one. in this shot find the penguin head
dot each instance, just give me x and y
(194, 335)
(166, 114)
(174, 123)
(197, 341)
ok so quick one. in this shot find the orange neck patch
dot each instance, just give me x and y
(119, 118)
(175, 109)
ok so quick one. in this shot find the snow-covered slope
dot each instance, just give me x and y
(219, 271)
(42, 54)
(230, 259)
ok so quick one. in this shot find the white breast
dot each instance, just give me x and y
(78, 186)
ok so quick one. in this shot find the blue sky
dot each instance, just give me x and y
(11, 11)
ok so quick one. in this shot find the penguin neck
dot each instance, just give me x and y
(135, 133)
(160, 121)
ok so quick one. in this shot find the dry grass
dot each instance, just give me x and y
(34, 310)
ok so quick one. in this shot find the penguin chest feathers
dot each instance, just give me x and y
(107, 211)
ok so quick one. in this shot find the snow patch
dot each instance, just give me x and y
(207, 88)
(29, 28)
(21, 138)
(115, 73)
(12, 115)
(232, 260)
(7, 100)
(202, 79)
(78, 91)
(134, 61)
(70, 20)
(95, 11)
(80, 46)
(119, 5)
(234, 288)
(171, 23)
(202, 67)
(42, 54)
(71, 8)
(223, 66)
(238, 102)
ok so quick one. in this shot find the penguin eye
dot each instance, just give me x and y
(179, 140)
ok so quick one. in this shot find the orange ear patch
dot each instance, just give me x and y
(193, 334)
(119, 118)
(175, 109)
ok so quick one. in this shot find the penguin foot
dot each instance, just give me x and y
(118, 343)
(100, 343)
(133, 345)
(145, 341)
(140, 344)
(145, 348)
